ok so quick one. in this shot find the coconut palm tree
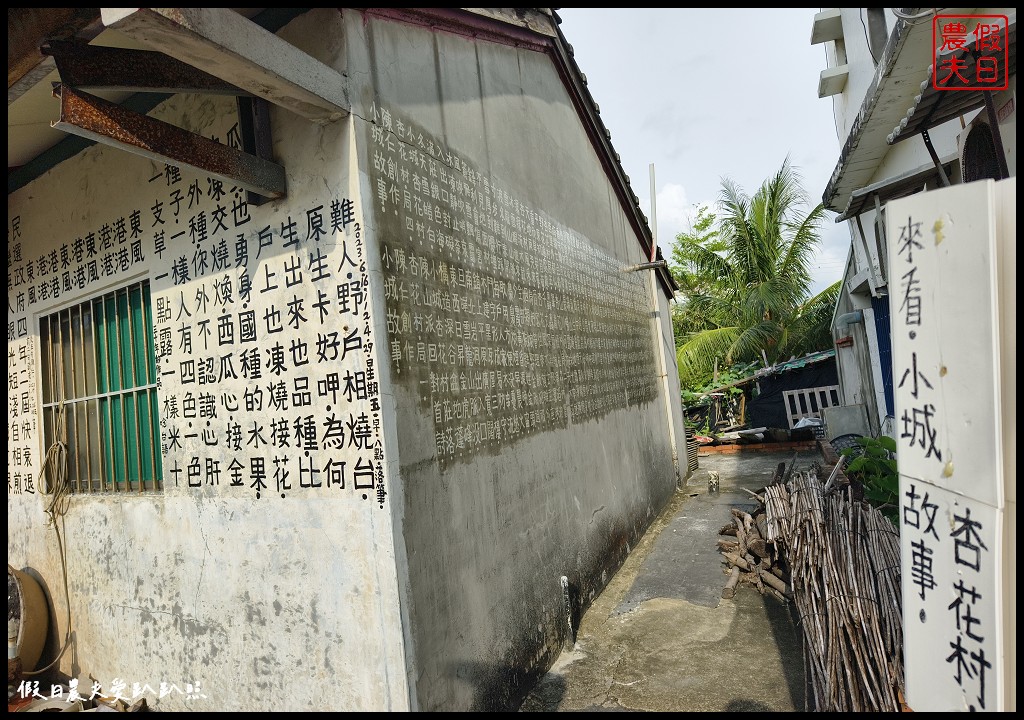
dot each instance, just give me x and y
(759, 303)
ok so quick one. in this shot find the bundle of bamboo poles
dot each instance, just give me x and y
(839, 559)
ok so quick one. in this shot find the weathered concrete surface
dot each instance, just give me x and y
(261, 589)
(528, 429)
(661, 638)
(264, 569)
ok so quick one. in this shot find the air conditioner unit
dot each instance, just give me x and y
(976, 149)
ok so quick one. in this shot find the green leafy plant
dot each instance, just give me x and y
(874, 465)
(746, 272)
(719, 396)
(699, 394)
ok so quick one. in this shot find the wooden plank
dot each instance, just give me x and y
(759, 447)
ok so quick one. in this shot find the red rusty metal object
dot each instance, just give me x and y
(105, 122)
(96, 67)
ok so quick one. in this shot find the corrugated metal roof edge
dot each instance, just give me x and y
(797, 363)
(778, 368)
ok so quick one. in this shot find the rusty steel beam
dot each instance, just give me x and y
(28, 28)
(105, 122)
(97, 67)
(224, 43)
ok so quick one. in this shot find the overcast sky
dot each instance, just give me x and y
(708, 93)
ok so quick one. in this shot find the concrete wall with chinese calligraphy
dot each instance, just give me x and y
(264, 569)
(531, 430)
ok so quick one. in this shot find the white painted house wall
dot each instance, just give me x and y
(861, 379)
(283, 596)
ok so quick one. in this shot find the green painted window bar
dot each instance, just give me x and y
(99, 372)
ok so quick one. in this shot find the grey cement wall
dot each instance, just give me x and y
(531, 424)
(263, 575)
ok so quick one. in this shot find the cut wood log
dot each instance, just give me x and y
(741, 537)
(730, 586)
(769, 578)
(754, 495)
(758, 547)
(728, 545)
(755, 573)
(777, 595)
(761, 523)
(748, 521)
(729, 529)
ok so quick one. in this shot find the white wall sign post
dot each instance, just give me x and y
(944, 298)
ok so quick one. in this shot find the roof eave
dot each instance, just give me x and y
(895, 82)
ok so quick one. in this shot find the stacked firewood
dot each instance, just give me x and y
(837, 560)
(753, 557)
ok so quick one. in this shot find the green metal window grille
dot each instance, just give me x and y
(99, 392)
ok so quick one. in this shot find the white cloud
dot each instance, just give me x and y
(706, 107)
(830, 261)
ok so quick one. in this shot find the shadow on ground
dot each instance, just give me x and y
(661, 638)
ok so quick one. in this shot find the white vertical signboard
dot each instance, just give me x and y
(952, 600)
(944, 302)
(942, 295)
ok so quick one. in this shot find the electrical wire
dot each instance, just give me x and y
(867, 38)
(56, 460)
(55, 485)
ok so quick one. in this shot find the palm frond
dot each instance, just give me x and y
(774, 299)
(736, 230)
(755, 338)
(712, 306)
(707, 261)
(697, 355)
(811, 328)
(825, 300)
(804, 239)
(753, 297)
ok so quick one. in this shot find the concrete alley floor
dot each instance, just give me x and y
(661, 638)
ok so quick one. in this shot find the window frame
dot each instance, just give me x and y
(98, 362)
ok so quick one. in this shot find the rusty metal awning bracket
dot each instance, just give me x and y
(97, 67)
(943, 178)
(110, 124)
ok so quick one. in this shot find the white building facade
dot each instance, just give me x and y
(925, 326)
(899, 135)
